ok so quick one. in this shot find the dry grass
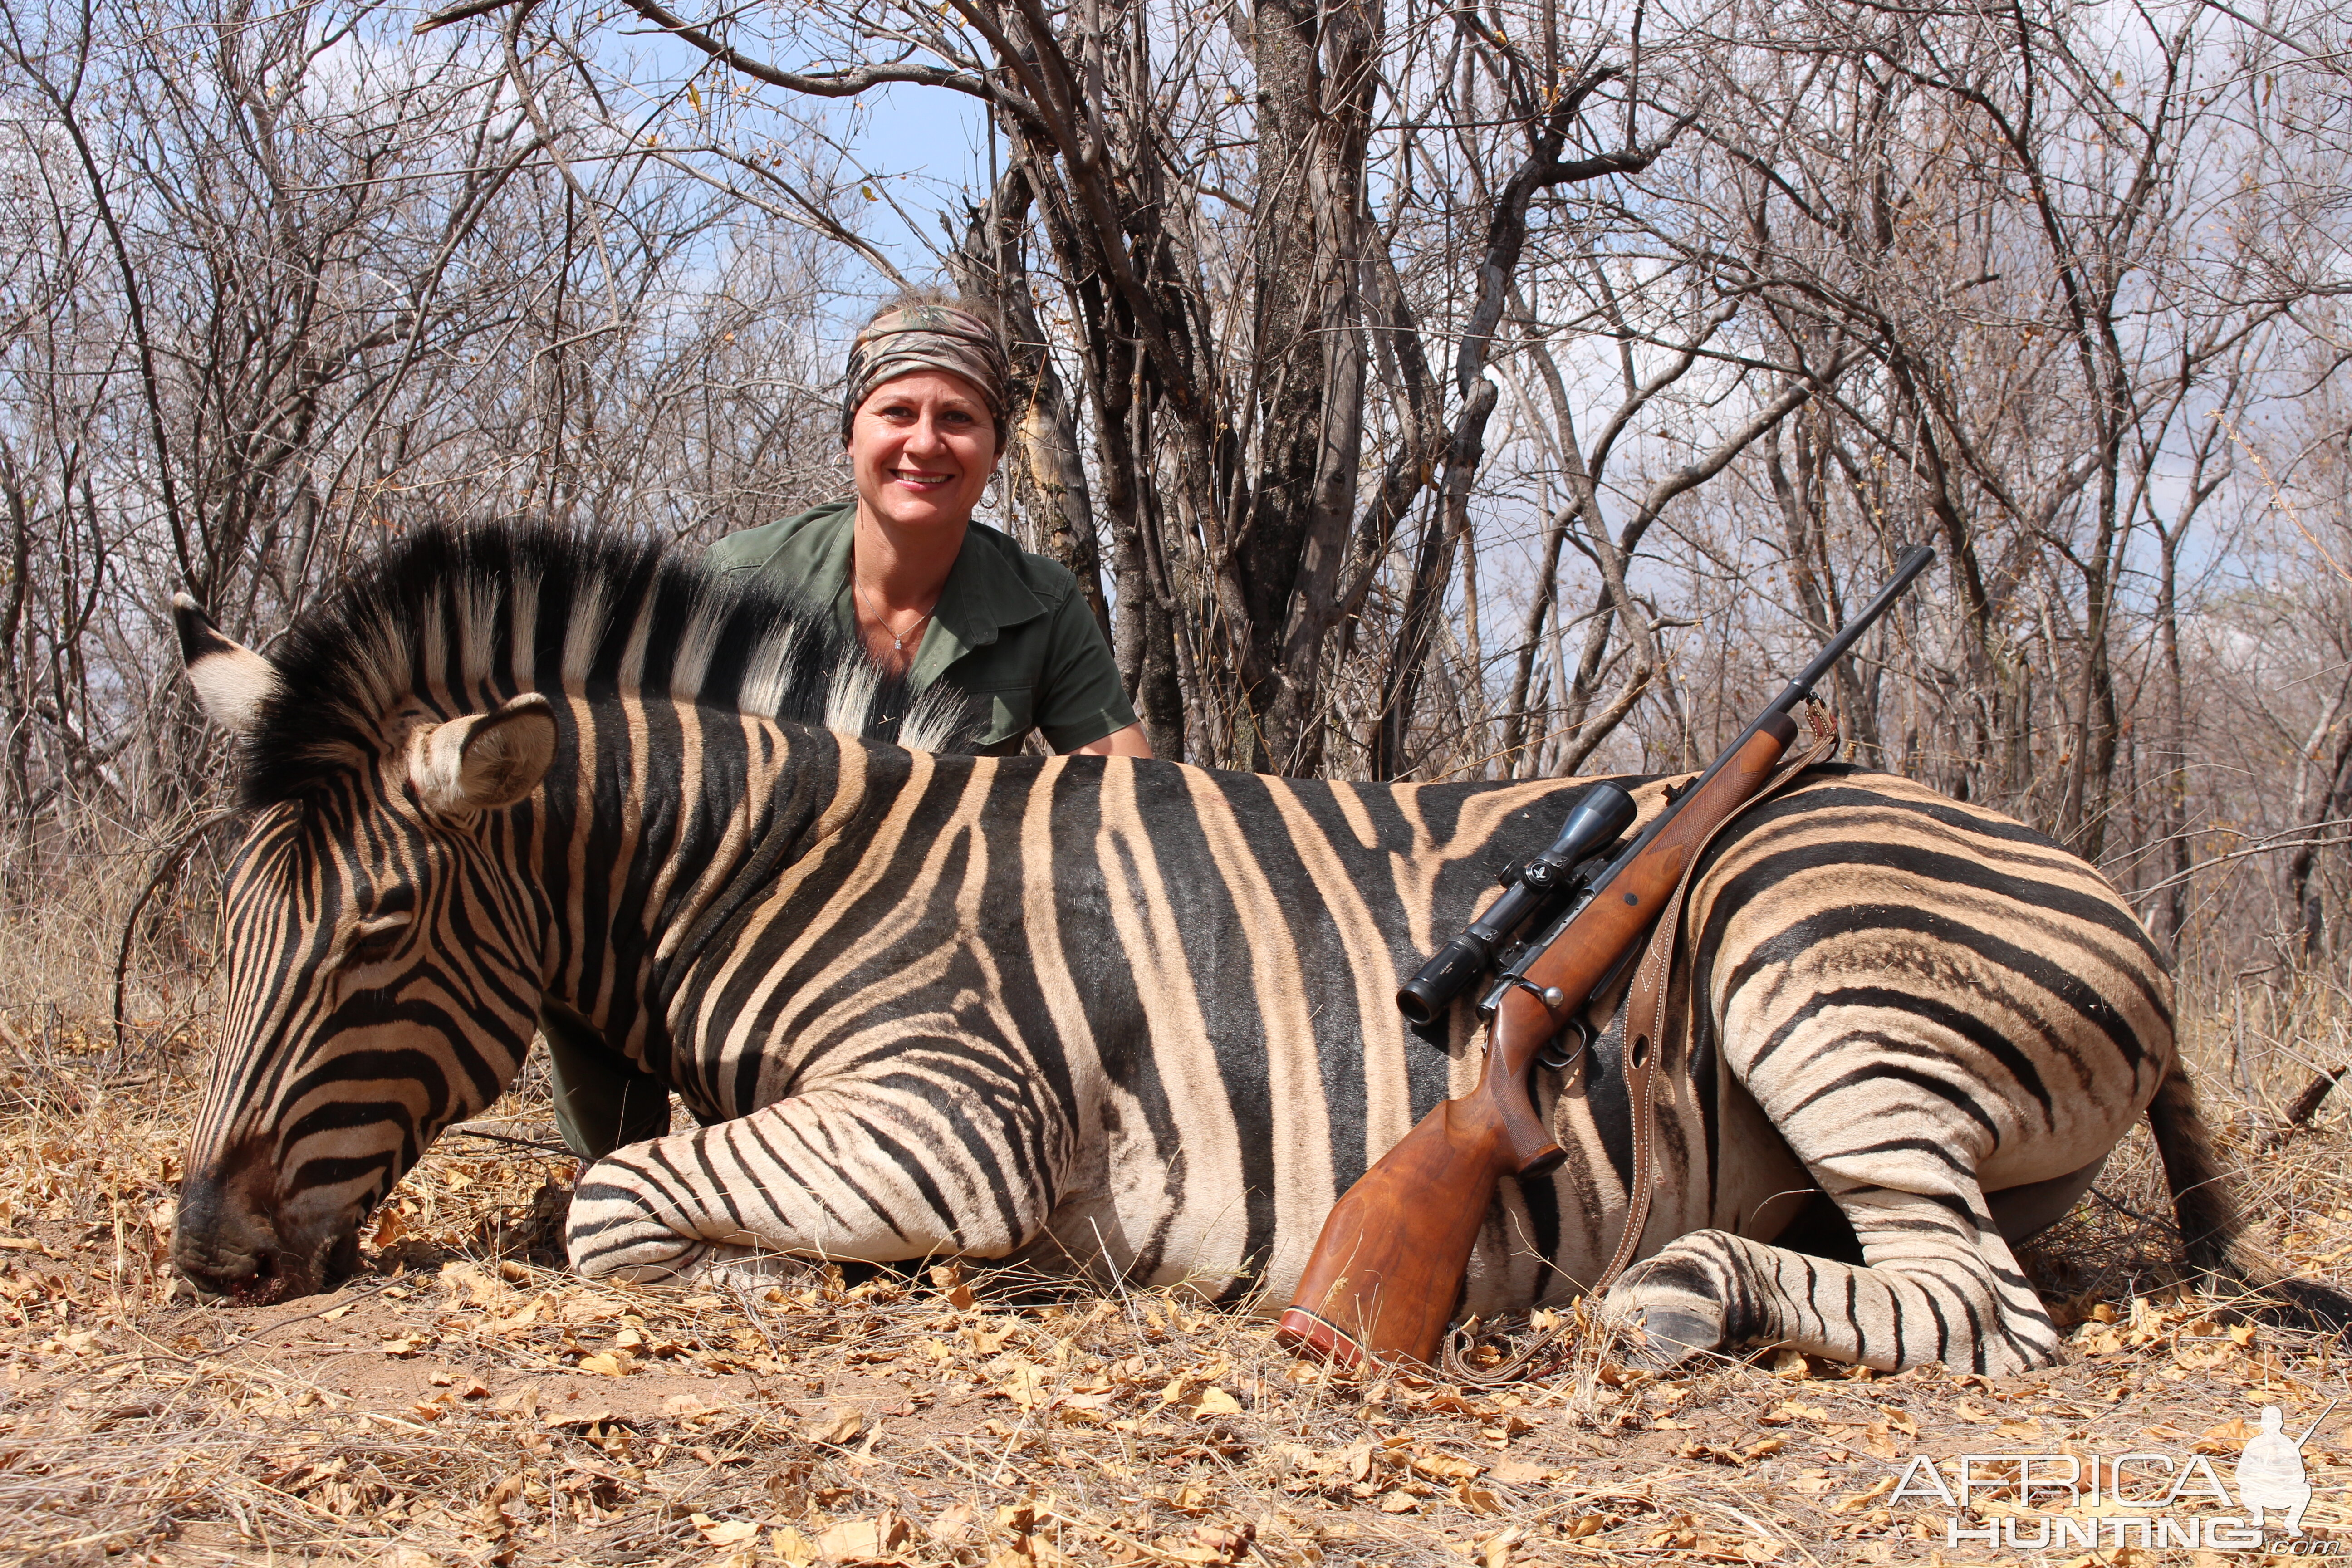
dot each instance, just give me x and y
(472, 1405)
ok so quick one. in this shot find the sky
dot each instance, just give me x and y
(931, 143)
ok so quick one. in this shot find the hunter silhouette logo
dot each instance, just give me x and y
(2041, 1502)
(2270, 1472)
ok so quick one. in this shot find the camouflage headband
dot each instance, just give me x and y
(926, 337)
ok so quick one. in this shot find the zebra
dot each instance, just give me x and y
(1123, 1019)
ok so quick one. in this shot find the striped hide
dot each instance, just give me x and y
(1132, 1018)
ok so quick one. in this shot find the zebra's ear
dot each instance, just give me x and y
(483, 760)
(232, 681)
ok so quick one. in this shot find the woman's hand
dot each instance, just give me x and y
(1126, 743)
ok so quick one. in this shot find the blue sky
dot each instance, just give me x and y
(932, 142)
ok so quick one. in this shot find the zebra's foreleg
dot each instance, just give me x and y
(877, 1172)
(1938, 1285)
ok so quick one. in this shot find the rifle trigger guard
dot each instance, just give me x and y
(1545, 1059)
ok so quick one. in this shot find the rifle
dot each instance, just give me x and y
(1388, 1266)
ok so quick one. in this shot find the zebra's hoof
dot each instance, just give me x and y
(726, 1268)
(1670, 1337)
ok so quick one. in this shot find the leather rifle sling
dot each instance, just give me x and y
(1646, 1005)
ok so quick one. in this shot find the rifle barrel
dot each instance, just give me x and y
(1914, 561)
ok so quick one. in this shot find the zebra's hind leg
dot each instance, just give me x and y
(1938, 1284)
(874, 1170)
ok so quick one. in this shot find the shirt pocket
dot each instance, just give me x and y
(1005, 714)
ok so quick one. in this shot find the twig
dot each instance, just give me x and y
(2132, 1213)
(2269, 847)
(2306, 1104)
(170, 863)
(540, 1143)
(459, 12)
(243, 1340)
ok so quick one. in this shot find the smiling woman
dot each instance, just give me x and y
(930, 593)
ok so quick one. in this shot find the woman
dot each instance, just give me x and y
(932, 594)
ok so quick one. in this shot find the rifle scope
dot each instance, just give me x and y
(1604, 812)
(1607, 811)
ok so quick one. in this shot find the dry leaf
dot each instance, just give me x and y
(1191, 1498)
(1217, 1401)
(1853, 1501)
(954, 1524)
(2228, 1438)
(586, 1309)
(1397, 1502)
(948, 1277)
(1789, 1410)
(789, 1545)
(1518, 1473)
(838, 1427)
(606, 1364)
(523, 1321)
(1025, 1385)
(1211, 1543)
(595, 1416)
(1444, 1467)
(862, 1540)
(1477, 1499)
(724, 1533)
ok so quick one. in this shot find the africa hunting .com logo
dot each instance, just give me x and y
(2049, 1502)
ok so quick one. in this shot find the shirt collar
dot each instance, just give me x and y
(984, 591)
(983, 595)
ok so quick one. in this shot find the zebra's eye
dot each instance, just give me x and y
(374, 941)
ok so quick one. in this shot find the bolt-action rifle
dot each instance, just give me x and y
(1388, 1269)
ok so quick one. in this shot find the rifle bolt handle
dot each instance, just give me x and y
(1553, 996)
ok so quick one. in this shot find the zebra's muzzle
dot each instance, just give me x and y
(226, 1246)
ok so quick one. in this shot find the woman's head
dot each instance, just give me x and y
(924, 415)
(918, 331)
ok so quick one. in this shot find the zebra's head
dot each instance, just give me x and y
(383, 956)
(390, 920)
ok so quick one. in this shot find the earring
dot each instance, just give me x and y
(990, 497)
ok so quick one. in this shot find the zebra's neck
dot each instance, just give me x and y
(681, 817)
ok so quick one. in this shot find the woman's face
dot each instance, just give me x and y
(922, 447)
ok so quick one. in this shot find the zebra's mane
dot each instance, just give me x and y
(472, 615)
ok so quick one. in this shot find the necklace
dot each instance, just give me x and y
(897, 639)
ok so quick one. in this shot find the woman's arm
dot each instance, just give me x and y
(1126, 743)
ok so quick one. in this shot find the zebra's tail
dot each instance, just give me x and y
(2212, 1231)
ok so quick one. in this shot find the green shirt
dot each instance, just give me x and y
(1011, 629)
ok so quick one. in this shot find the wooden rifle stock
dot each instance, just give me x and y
(1388, 1269)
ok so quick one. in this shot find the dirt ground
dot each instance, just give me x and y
(470, 1403)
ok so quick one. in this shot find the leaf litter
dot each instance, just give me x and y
(467, 1401)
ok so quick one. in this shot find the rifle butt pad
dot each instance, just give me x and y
(1302, 1332)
